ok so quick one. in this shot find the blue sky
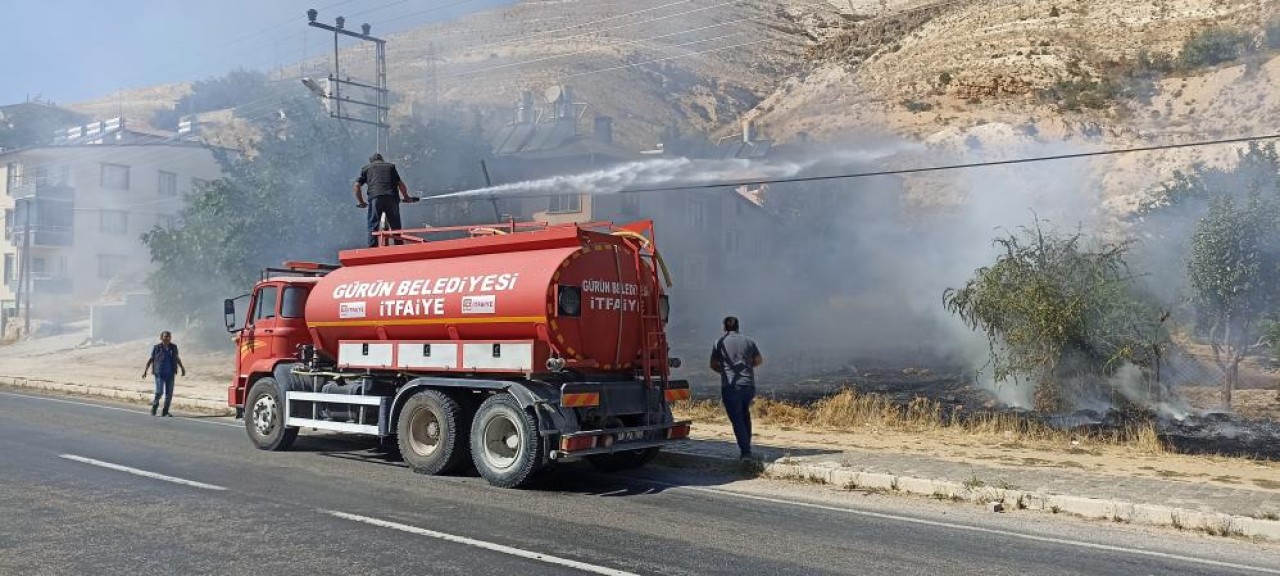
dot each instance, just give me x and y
(73, 50)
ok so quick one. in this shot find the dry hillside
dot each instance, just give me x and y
(946, 72)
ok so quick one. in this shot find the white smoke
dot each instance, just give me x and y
(668, 172)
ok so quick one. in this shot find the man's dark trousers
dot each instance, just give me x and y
(164, 387)
(388, 204)
(737, 404)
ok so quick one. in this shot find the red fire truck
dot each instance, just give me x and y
(508, 346)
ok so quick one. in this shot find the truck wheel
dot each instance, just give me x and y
(264, 417)
(505, 444)
(625, 460)
(431, 433)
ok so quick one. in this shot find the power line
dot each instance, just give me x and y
(896, 172)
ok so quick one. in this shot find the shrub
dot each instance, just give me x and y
(1212, 47)
(1059, 314)
(1272, 33)
(917, 106)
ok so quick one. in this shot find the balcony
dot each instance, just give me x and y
(50, 219)
(44, 191)
(51, 285)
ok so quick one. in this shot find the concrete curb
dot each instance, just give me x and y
(1209, 522)
(179, 402)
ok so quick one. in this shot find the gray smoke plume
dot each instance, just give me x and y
(663, 172)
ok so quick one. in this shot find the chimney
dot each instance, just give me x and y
(604, 129)
(568, 102)
(748, 130)
(524, 108)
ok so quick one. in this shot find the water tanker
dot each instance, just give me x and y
(509, 347)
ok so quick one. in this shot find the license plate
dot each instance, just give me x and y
(630, 436)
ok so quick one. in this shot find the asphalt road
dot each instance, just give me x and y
(97, 488)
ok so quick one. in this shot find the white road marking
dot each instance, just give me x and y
(117, 408)
(143, 473)
(993, 531)
(549, 559)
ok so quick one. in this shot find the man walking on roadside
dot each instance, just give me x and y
(384, 183)
(164, 363)
(735, 357)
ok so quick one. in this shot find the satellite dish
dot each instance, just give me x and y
(553, 94)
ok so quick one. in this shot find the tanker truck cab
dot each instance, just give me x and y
(270, 331)
(511, 347)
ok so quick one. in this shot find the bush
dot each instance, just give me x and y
(1212, 47)
(1074, 95)
(1059, 315)
(1272, 33)
(917, 106)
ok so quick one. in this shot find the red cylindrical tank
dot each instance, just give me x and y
(491, 289)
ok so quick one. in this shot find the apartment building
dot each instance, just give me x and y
(79, 208)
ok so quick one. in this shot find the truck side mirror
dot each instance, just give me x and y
(229, 314)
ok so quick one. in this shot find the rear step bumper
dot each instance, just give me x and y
(592, 442)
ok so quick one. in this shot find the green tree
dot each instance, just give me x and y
(1234, 271)
(33, 123)
(290, 199)
(236, 88)
(1059, 315)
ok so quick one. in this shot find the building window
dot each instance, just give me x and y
(13, 177)
(631, 204)
(115, 176)
(115, 222)
(110, 265)
(168, 184)
(566, 203)
(8, 269)
(732, 242)
(697, 213)
(695, 272)
(9, 224)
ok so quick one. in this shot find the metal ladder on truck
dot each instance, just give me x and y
(651, 328)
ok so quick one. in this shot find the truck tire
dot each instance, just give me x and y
(505, 444)
(624, 460)
(264, 417)
(432, 433)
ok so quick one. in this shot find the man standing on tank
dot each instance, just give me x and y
(735, 357)
(386, 190)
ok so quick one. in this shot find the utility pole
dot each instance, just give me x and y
(332, 91)
(23, 296)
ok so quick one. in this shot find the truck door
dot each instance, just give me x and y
(290, 327)
(255, 340)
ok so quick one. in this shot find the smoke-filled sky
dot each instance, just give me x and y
(73, 50)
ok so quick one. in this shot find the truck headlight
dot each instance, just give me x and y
(569, 301)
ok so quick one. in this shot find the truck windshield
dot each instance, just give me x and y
(295, 300)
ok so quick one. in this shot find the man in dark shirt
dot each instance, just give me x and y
(735, 357)
(164, 363)
(384, 182)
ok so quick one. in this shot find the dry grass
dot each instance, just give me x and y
(849, 411)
